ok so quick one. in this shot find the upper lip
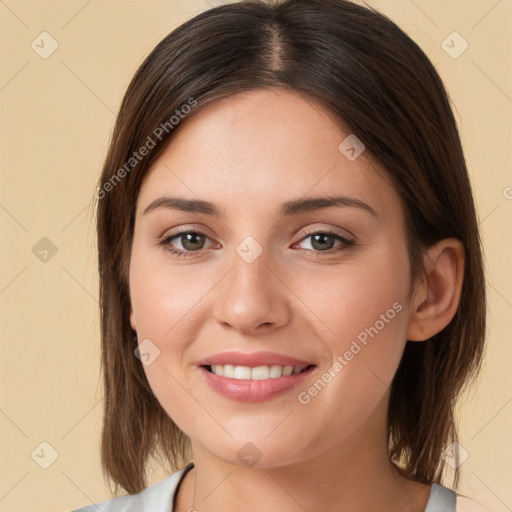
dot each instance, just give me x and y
(253, 359)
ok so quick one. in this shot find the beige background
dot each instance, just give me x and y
(56, 117)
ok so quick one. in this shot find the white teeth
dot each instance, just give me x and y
(241, 372)
(257, 373)
(276, 371)
(260, 373)
(287, 370)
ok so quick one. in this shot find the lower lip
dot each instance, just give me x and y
(247, 390)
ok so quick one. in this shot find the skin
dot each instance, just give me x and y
(248, 155)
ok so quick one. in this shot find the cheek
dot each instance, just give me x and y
(357, 298)
(369, 314)
(166, 301)
(366, 310)
(163, 295)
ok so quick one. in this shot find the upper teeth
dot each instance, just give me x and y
(256, 373)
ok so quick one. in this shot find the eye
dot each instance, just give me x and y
(190, 241)
(322, 242)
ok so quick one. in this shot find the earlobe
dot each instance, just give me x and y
(132, 319)
(437, 299)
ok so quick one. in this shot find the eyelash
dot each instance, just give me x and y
(346, 243)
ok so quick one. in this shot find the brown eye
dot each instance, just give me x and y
(323, 242)
(190, 242)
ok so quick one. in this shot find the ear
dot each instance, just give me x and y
(436, 300)
(132, 319)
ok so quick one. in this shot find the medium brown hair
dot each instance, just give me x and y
(377, 82)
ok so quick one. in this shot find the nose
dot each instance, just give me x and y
(252, 297)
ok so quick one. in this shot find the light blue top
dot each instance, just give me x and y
(159, 497)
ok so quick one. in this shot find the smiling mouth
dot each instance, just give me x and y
(265, 372)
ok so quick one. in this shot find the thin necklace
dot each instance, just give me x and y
(191, 508)
(194, 497)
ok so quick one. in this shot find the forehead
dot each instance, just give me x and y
(261, 147)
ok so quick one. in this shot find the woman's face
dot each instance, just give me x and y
(265, 280)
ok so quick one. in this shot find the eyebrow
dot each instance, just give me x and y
(293, 207)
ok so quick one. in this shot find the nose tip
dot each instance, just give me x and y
(250, 298)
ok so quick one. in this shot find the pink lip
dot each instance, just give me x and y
(246, 390)
(253, 359)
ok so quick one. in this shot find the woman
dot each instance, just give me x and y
(292, 291)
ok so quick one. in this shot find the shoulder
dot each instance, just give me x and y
(155, 498)
(441, 499)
